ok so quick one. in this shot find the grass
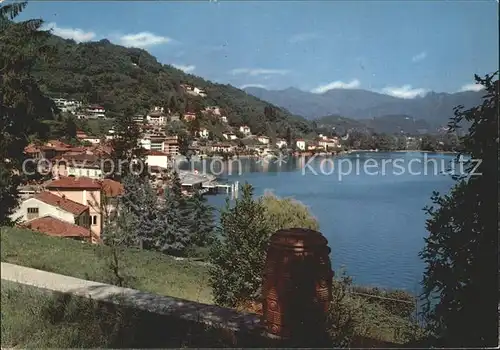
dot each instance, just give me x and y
(32, 318)
(150, 271)
(155, 273)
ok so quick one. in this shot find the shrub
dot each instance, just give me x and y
(281, 213)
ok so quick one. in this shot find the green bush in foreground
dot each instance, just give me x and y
(282, 213)
(239, 255)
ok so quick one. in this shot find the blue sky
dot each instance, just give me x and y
(403, 48)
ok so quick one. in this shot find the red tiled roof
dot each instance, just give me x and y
(61, 202)
(56, 227)
(111, 188)
(31, 148)
(74, 183)
(156, 153)
(57, 144)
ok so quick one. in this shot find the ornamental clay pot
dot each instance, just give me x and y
(297, 284)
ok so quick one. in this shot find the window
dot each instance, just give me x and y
(32, 213)
(94, 219)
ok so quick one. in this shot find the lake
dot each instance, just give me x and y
(371, 215)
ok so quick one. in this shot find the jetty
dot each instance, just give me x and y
(206, 183)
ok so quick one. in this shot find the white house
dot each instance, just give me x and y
(46, 203)
(203, 133)
(229, 136)
(263, 139)
(92, 171)
(280, 143)
(111, 134)
(67, 105)
(156, 116)
(213, 109)
(329, 143)
(92, 140)
(199, 92)
(96, 111)
(301, 144)
(245, 130)
(145, 142)
(157, 158)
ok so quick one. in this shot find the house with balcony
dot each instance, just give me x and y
(96, 112)
(171, 146)
(156, 116)
(77, 165)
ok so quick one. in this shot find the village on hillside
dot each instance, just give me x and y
(67, 197)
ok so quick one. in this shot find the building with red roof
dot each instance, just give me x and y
(47, 203)
(86, 191)
(53, 226)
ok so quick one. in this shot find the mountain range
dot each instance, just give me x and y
(433, 108)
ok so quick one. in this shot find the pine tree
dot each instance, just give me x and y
(177, 237)
(126, 148)
(202, 220)
(22, 104)
(237, 257)
(139, 201)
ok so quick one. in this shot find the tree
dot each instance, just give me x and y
(237, 257)
(176, 237)
(139, 204)
(428, 143)
(126, 148)
(184, 140)
(282, 213)
(202, 220)
(22, 104)
(461, 252)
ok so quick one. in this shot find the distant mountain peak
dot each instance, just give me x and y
(434, 107)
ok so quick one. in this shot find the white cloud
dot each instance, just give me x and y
(405, 91)
(336, 85)
(252, 85)
(143, 39)
(184, 68)
(76, 34)
(301, 37)
(471, 87)
(259, 71)
(419, 57)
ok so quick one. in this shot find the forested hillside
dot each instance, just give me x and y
(130, 80)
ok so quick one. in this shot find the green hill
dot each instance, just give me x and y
(131, 80)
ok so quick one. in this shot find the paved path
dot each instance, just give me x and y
(184, 309)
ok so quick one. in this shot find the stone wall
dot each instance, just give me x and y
(184, 310)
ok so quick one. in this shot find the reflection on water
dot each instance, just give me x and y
(373, 219)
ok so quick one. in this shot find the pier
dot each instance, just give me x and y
(207, 184)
